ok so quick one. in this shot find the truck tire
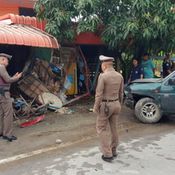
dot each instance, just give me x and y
(147, 111)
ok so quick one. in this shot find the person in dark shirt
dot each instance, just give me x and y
(166, 65)
(136, 72)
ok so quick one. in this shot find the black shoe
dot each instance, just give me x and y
(114, 152)
(115, 155)
(10, 139)
(7, 138)
(107, 159)
(1, 135)
(14, 137)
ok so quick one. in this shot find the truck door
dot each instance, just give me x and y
(167, 94)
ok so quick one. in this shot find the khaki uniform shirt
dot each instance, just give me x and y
(110, 87)
(5, 79)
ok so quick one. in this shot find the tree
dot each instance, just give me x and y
(127, 26)
(124, 23)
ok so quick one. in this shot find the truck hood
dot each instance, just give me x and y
(143, 86)
(147, 80)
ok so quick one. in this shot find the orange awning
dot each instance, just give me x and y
(17, 34)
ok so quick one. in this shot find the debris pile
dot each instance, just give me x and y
(41, 87)
(45, 85)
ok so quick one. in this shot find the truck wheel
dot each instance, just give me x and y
(147, 111)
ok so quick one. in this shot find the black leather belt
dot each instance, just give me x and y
(5, 90)
(109, 100)
(2, 91)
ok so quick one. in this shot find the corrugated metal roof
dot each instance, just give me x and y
(17, 34)
(27, 20)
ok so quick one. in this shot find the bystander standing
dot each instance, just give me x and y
(136, 71)
(166, 66)
(148, 66)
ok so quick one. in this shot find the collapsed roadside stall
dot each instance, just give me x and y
(51, 77)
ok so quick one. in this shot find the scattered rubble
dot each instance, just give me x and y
(47, 86)
(32, 122)
(58, 141)
(64, 110)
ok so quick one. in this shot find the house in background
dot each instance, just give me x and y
(18, 7)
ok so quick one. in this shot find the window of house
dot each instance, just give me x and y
(26, 11)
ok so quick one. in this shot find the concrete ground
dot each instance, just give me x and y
(69, 128)
(146, 150)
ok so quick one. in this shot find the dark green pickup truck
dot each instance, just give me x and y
(151, 98)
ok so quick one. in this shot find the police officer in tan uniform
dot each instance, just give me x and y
(108, 99)
(6, 109)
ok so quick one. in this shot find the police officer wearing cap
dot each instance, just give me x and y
(108, 99)
(6, 109)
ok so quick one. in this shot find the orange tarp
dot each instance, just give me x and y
(88, 38)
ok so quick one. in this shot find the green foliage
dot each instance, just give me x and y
(128, 25)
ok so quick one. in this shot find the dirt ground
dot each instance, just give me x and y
(78, 123)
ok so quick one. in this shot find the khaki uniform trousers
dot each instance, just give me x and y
(106, 126)
(6, 115)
